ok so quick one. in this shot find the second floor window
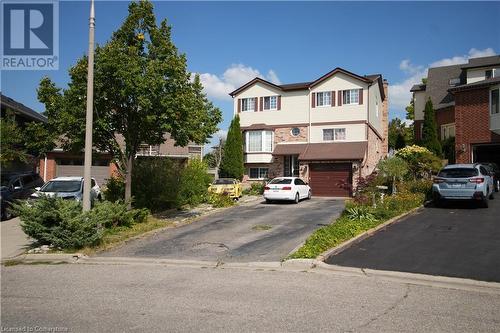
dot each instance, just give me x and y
(495, 101)
(324, 98)
(271, 103)
(488, 74)
(259, 141)
(248, 104)
(334, 134)
(350, 96)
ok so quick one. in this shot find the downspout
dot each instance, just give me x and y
(309, 108)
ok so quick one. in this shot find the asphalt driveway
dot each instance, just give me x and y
(253, 231)
(458, 240)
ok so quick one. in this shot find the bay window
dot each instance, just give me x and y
(334, 134)
(259, 141)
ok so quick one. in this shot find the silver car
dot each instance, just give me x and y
(70, 188)
(463, 182)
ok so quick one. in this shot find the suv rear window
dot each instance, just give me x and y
(458, 173)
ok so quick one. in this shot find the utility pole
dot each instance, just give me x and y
(89, 117)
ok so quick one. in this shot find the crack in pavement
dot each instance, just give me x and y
(387, 311)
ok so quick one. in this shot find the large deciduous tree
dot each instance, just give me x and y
(429, 132)
(142, 90)
(232, 159)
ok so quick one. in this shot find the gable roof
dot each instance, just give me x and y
(306, 85)
(438, 83)
(21, 109)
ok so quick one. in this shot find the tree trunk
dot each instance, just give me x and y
(128, 182)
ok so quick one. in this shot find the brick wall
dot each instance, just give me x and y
(51, 167)
(444, 116)
(472, 122)
(374, 153)
(284, 134)
(417, 126)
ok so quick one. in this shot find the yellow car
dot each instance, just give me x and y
(228, 186)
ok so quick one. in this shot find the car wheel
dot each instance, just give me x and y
(297, 198)
(492, 196)
(309, 195)
(7, 214)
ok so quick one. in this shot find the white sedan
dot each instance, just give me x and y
(287, 188)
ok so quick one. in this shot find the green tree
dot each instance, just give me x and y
(410, 110)
(393, 168)
(142, 90)
(12, 142)
(232, 160)
(429, 132)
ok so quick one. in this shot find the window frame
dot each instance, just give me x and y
(247, 100)
(263, 136)
(492, 71)
(497, 90)
(446, 129)
(323, 93)
(334, 134)
(275, 97)
(350, 91)
(259, 170)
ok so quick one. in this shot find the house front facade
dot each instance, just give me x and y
(466, 100)
(329, 132)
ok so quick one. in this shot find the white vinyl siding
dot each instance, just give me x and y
(324, 98)
(248, 104)
(334, 134)
(259, 141)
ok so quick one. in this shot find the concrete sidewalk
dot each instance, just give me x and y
(14, 241)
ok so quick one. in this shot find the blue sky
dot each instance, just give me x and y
(229, 43)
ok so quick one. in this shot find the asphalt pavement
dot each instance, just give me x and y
(458, 240)
(255, 231)
(144, 298)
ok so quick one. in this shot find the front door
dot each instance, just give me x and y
(291, 166)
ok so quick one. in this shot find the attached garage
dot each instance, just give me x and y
(486, 153)
(74, 168)
(331, 179)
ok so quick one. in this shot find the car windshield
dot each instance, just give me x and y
(458, 173)
(62, 186)
(223, 181)
(280, 181)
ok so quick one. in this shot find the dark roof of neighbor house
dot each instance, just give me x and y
(438, 83)
(324, 151)
(418, 87)
(307, 85)
(21, 109)
(476, 85)
(482, 62)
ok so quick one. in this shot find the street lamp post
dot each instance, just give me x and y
(89, 116)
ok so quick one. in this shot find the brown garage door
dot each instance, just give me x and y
(330, 179)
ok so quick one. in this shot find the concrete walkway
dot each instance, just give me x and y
(14, 241)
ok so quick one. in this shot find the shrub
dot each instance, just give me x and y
(360, 213)
(220, 200)
(256, 189)
(422, 186)
(194, 183)
(155, 183)
(63, 224)
(114, 189)
(58, 222)
(393, 168)
(367, 187)
(449, 149)
(422, 163)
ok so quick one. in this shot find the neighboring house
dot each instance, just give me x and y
(22, 115)
(329, 132)
(466, 101)
(60, 163)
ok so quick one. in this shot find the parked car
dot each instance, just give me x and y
(229, 186)
(463, 182)
(287, 188)
(495, 172)
(70, 188)
(16, 186)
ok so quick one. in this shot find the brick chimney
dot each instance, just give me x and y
(385, 119)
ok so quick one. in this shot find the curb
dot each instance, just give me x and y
(53, 258)
(348, 243)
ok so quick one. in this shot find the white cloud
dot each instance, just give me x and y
(221, 134)
(218, 87)
(399, 93)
